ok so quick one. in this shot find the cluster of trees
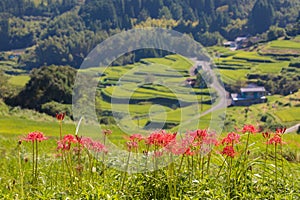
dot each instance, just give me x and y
(47, 84)
(20, 8)
(63, 32)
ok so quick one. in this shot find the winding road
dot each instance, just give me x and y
(222, 101)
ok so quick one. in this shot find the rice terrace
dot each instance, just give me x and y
(218, 119)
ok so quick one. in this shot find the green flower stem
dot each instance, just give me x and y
(36, 159)
(202, 167)
(125, 172)
(180, 165)
(208, 162)
(21, 173)
(276, 164)
(222, 166)
(33, 160)
(265, 162)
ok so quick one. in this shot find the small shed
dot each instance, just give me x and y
(248, 96)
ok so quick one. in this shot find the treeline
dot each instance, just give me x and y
(63, 32)
(20, 8)
(228, 17)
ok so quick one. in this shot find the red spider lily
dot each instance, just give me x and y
(70, 139)
(211, 139)
(228, 151)
(63, 146)
(89, 144)
(161, 138)
(249, 129)
(176, 147)
(266, 135)
(189, 152)
(135, 137)
(199, 134)
(132, 145)
(231, 138)
(107, 132)
(65, 143)
(276, 139)
(99, 147)
(280, 130)
(35, 136)
(60, 116)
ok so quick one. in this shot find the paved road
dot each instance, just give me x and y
(222, 94)
(292, 129)
(216, 122)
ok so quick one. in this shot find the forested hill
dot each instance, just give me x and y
(64, 31)
(212, 15)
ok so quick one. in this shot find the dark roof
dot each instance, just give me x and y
(253, 89)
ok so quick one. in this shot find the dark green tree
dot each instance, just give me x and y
(164, 12)
(262, 16)
(51, 83)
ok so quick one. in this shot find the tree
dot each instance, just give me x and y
(262, 16)
(53, 83)
(203, 79)
(275, 32)
(4, 34)
(209, 7)
(164, 12)
(176, 11)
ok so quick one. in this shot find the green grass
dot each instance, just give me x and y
(19, 81)
(282, 47)
(133, 92)
(176, 62)
(274, 68)
(21, 126)
(289, 114)
(187, 177)
(252, 57)
(136, 109)
(181, 114)
(234, 75)
(285, 44)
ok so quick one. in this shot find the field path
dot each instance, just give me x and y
(292, 129)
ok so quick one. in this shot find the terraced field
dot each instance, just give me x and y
(155, 90)
(269, 58)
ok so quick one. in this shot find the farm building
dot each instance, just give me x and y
(248, 96)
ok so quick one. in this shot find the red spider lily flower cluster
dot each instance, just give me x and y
(266, 135)
(276, 139)
(132, 145)
(228, 151)
(199, 135)
(280, 130)
(92, 145)
(60, 116)
(65, 143)
(35, 136)
(160, 138)
(88, 143)
(136, 137)
(249, 129)
(199, 141)
(231, 138)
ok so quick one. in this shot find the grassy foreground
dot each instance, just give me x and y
(200, 165)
